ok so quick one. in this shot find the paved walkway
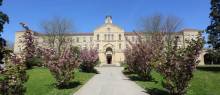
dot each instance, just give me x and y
(110, 81)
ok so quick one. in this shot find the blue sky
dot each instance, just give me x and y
(88, 14)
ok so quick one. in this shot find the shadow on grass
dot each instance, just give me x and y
(132, 76)
(71, 85)
(156, 91)
(127, 72)
(95, 71)
(137, 78)
(90, 71)
(209, 70)
(152, 91)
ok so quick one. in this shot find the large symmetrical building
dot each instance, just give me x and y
(110, 40)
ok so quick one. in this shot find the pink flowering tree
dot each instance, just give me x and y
(178, 65)
(60, 65)
(29, 46)
(138, 60)
(142, 56)
(89, 59)
(14, 76)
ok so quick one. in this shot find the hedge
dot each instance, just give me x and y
(209, 67)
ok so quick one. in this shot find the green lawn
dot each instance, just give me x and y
(203, 83)
(41, 82)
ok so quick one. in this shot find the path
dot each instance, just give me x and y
(110, 81)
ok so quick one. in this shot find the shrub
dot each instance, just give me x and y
(178, 65)
(209, 68)
(89, 59)
(14, 77)
(35, 61)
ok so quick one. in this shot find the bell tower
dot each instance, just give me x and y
(108, 20)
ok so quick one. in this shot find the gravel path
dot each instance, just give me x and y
(110, 81)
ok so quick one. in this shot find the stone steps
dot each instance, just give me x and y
(109, 65)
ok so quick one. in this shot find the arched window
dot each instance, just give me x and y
(119, 46)
(108, 37)
(119, 36)
(105, 36)
(98, 37)
(108, 49)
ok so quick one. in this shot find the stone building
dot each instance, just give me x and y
(109, 39)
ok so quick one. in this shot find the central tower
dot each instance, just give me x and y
(108, 20)
(109, 38)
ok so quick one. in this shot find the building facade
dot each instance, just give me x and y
(110, 40)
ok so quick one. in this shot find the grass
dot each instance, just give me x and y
(41, 82)
(203, 83)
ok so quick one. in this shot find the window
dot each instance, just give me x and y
(133, 39)
(127, 46)
(77, 39)
(73, 40)
(119, 46)
(105, 36)
(112, 37)
(20, 49)
(84, 39)
(97, 46)
(108, 36)
(90, 39)
(119, 36)
(98, 37)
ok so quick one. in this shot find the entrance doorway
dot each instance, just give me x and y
(109, 55)
(109, 58)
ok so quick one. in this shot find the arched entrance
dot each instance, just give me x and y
(109, 58)
(109, 55)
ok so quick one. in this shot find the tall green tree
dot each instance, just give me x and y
(3, 19)
(214, 31)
